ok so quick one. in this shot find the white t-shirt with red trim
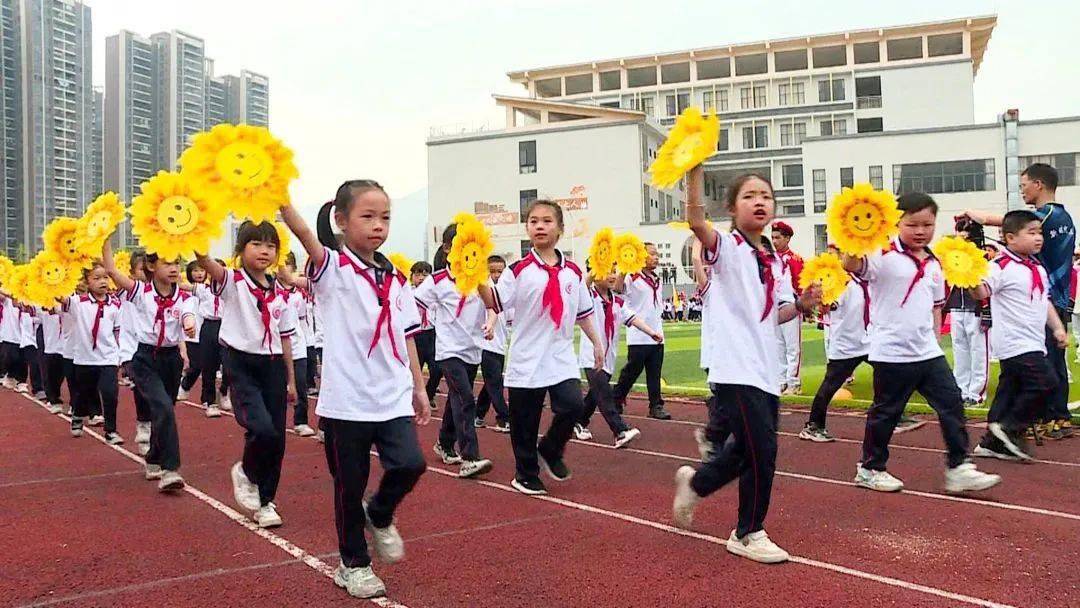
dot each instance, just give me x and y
(644, 294)
(254, 319)
(1019, 304)
(459, 320)
(157, 318)
(607, 327)
(96, 327)
(849, 316)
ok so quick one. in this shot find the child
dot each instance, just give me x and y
(609, 311)
(196, 278)
(371, 382)
(548, 295)
(95, 352)
(52, 365)
(459, 328)
(970, 342)
(1018, 288)
(425, 338)
(208, 345)
(790, 334)
(907, 291)
(28, 324)
(644, 294)
(129, 343)
(750, 300)
(10, 334)
(493, 359)
(296, 301)
(162, 313)
(847, 347)
(256, 331)
(314, 338)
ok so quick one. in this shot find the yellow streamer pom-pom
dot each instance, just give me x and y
(468, 255)
(6, 268)
(174, 219)
(691, 141)
(284, 245)
(861, 220)
(402, 263)
(630, 253)
(101, 219)
(242, 167)
(51, 277)
(963, 264)
(64, 237)
(602, 254)
(827, 271)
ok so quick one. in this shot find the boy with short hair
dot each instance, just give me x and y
(493, 358)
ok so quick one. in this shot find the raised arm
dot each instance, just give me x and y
(700, 276)
(695, 209)
(288, 278)
(303, 232)
(122, 280)
(852, 263)
(216, 271)
(984, 217)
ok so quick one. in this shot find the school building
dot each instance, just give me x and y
(813, 113)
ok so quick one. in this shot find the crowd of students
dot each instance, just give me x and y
(264, 329)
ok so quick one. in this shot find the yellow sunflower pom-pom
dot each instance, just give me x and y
(122, 261)
(826, 270)
(101, 219)
(6, 268)
(861, 220)
(468, 255)
(51, 277)
(602, 254)
(401, 262)
(284, 245)
(174, 219)
(630, 253)
(242, 167)
(691, 141)
(963, 264)
(64, 237)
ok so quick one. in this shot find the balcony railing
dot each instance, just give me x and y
(866, 102)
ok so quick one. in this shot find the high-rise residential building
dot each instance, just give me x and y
(57, 112)
(13, 216)
(97, 143)
(217, 97)
(181, 92)
(249, 98)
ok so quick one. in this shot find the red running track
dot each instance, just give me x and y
(84, 529)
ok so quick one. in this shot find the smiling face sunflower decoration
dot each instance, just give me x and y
(692, 140)
(51, 278)
(468, 256)
(827, 271)
(101, 218)
(401, 262)
(6, 268)
(602, 254)
(630, 253)
(19, 285)
(242, 167)
(63, 236)
(861, 220)
(284, 245)
(174, 219)
(962, 262)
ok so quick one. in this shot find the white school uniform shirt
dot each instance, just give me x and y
(607, 316)
(128, 342)
(27, 326)
(67, 322)
(308, 324)
(9, 324)
(297, 307)
(370, 312)
(209, 307)
(705, 293)
(500, 335)
(316, 323)
(902, 302)
(459, 320)
(849, 316)
(88, 347)
(644, 294)
(541, 354)
(157, 318)
(1019, 297)
(254, 319)
(745, 295)
(51, 331)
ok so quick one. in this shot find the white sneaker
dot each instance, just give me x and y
(170, 481)
(474, 468)
(386, 542)
(8, 382)
(582, 433)
(686, 499)
(966, 478)
(114, 439)
(212, 411)
(304, 430)
(96, 420)
(704, 446)
(245, 492)
(320, 437)
(626, 437)
(880, 481)
(225, 403)
(22, 388)
(153, 472)
(267, 516)
(182, 394)
(758, 547)
(359, 582)
(53, 408)
(40, 395)
(142, 432)
(143, 449)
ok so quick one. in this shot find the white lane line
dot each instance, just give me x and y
(285, 545)
(32, 482)
(886, 580)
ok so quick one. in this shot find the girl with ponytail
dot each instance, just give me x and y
(371, 389)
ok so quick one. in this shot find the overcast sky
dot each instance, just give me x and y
(356, 84)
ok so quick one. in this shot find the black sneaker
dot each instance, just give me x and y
(531, 487)
(658, 412)
(557, 469)
(76, 426)
(478, 423)
(1012, 441)
(992, 447)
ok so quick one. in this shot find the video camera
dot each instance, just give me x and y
(973, 229)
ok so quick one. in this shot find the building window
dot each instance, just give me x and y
(646, 202)
(610, 81)
(760, 97)
(549, 87)
(1067, 165)
(722, 100)
(746, 100)
(644, 104)
(708, 69)
(792, 134)
(708, 101)
(579, 83)
(527, 156)
(904, 48)
(525, 197)
(831, 89)
(755, 137)
(847, 177)
(751, 64)
(945, 44)
(677, 103)
(830, 56)
(869, 125)
(868, 92)
(641, 77)
(787, 61)
(819, 191)
(834, 127)
(722, 144)
(792, 175)
(944, 177)
(791, 94)
(675, 72)
(821, 239)
(876, 177)
(800, 133)
(867, 52)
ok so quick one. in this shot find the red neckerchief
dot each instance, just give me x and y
(654, 283)
(866, 300)
(552, 299)
(263, 297)
(764, 260)
(382, 294)
(1032, 265)
(920, 268)
(609, 318)
(423, 317)
(163, 305)
(97, 320)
